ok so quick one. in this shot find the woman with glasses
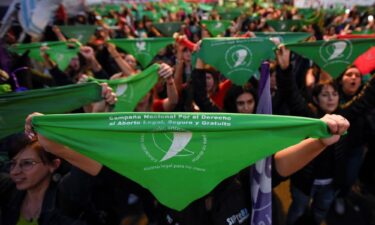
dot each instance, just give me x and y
(29, 195)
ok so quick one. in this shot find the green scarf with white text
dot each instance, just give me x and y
(179, 157)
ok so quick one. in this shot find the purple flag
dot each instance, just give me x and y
(261, 184)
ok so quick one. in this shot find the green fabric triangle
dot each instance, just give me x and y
(59, 51)
(179, 157)
(284, 37)
(80, 32)
(205, 7)
(332, 56)
(62, 55)
(155, 17)
(15, 107)
(110, 21)
(229, 15)
(216, 27)
(5, 88)
(132, 89)
(236, 58)
(143, 49)
(107, 8)
(168, 29)
(284, 25)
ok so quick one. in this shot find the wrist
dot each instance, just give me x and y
(322, 143)
(170, 80)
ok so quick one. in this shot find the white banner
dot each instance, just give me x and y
(330, 3)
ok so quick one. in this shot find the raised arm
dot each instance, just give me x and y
(198, 78)
(88, 53)
(287, 85)
(293, 158)
(76, 159)
(166, 73)
(124, 66)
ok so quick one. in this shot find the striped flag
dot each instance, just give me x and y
(35, 15)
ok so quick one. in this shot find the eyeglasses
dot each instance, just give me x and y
(24, 164)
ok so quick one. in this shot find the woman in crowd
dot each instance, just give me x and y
(321, 179)
(32, 194)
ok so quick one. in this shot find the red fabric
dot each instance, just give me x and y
(61, 13)
(366, 62)
(353, 36)
(157, 105)
(218, 98)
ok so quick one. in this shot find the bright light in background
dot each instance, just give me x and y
(347, 11)
(370, 18)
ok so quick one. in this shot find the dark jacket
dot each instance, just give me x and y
(330, 163)
(11, 202)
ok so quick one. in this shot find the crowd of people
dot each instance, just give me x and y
(44, 182)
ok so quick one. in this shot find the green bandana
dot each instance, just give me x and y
(317, 18)
(285, 37)
(236, 58)
(333, 56)
(14, 107)
(5, 88)
(143, 49)
(306, 12)
(104, 10)
(205, 7)
(80, 32)
(179, 157)
(229, 15)
(132, 89)
(154, 16)
(168, 29)
(284, 25)
(110, 21)
(171, 8)
(216, 27)
(368, 31)
(59, 51)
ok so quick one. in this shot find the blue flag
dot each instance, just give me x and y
(261, 185)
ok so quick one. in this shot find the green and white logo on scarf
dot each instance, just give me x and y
(205, 7)
(14, 107)
(230, 14)
(143, 49)
(284, 25)
(80, 32)
(284, 37)
(236, 58)
(216, 27)
(333, 56)
(132, 89)
(59, 51)
(179, 157)
(168, 29)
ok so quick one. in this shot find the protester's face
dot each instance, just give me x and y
(28, 171)
(351, 80)
(131, 61)
(74, 63)
(210, 83)
(328, 99)
(186, 55)
(245, 103)
(205, 33)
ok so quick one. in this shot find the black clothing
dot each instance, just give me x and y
(11, 201)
